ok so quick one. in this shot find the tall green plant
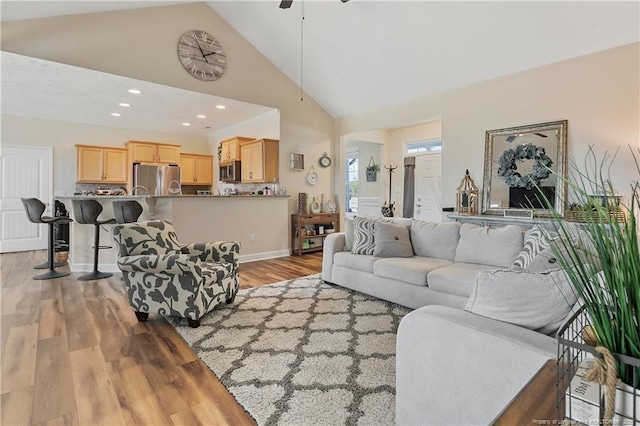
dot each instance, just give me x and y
(603, 261)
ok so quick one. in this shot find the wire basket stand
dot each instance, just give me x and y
(573, 352)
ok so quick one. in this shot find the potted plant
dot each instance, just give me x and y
(602, 262)
(372, 170)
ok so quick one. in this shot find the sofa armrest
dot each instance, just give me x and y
(172, 264)
(332, 244)
(455, 367)
(219, 251)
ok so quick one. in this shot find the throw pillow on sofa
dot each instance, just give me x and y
(489, 246)
(537, 301)
(363, 236)
(438, 240)
(392, 240)
(534, 243)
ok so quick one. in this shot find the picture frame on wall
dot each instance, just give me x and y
(297, 161)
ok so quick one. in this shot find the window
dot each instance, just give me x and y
(352, 182)
(421, 147)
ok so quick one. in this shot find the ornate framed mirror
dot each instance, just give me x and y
(516, 160)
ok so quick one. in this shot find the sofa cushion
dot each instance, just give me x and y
(363, 235)
(534, 242)
(412, 270)
(348, 234)
(489, 246)
(457, 278)
(392, 240)
(358, 262)
(537, 301)
(432, 239)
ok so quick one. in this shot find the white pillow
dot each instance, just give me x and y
(489, 246)
(537, 301)
(438, 240)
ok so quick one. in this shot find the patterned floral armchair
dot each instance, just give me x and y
(164, 276)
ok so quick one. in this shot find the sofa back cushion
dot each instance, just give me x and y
(489, 246)
(438, 240)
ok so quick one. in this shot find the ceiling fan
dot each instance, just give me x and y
(286, 4)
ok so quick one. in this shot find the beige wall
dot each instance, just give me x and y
(142, 44)
(63, 136)
(598, 94)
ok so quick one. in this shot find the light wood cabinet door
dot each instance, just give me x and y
(168, 154)
(231, 148)
(204, 169)
(115, 165)
(147, 152)
(143, 153)
(260, 161)
(196, 169)
(98, 164)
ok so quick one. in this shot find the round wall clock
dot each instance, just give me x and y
(312, 176)
(202, 55)
(324, 161)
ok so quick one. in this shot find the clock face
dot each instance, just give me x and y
(312, 178)
(324, 161)
(202, 55)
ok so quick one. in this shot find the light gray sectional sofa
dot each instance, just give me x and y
(454, 366)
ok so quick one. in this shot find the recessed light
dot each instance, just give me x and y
(135, 91)
(221, 107)
(123, 104)
(201, 116)
(186, 124)
(115, 114)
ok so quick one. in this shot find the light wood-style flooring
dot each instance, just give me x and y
(74, 353)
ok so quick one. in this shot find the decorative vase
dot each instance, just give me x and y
(314, 207)
(323, 207)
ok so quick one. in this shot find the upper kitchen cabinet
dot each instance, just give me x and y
(101, 164)
(230, 148)
(149, 152)
(260, 161)
(196, 169)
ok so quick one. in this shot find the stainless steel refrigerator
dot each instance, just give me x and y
(156, 179)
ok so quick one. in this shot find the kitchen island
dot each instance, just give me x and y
(259, 223)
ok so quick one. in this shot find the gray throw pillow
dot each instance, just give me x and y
(534, 242)
(392, 240)
(363, 235)
(537, 301)
(348, 234)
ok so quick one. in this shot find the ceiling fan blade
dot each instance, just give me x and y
(344, 1)
(542, 135)
(285, 4)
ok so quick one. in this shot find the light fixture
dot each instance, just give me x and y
(135, 91)
(115, 114)
(186, 124)
(201, 116)
(124, 104)
(221, 107)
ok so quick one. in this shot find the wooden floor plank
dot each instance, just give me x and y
(19, 358)
(53, 394)
(95, 397)
(122, 371)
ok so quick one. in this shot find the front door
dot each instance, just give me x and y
(428, 188)
(25, 172)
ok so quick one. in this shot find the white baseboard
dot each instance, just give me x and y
(263, 256)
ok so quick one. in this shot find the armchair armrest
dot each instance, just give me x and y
(219, 251)
(173, 264)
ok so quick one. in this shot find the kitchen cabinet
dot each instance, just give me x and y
(260, 161)
(230, 148)
(308, 231)
(101, 164)
(196, 169)
(149, 152)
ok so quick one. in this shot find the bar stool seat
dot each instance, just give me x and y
(86, 212)
(34, 209)
(126, 211)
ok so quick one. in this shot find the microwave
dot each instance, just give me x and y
(230, 172)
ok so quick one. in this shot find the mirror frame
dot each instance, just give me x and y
(559, 166)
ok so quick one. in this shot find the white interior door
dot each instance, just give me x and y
(25, 172)
(428, 188)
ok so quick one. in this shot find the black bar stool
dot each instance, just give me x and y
(86, 212)
(126, 211)
(35, 208)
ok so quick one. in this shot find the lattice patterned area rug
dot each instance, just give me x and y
(302, 352)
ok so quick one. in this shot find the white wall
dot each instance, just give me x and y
(599, 95)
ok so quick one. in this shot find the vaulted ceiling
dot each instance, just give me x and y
(364, 55)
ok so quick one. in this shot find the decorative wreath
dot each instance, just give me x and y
(509, 165)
